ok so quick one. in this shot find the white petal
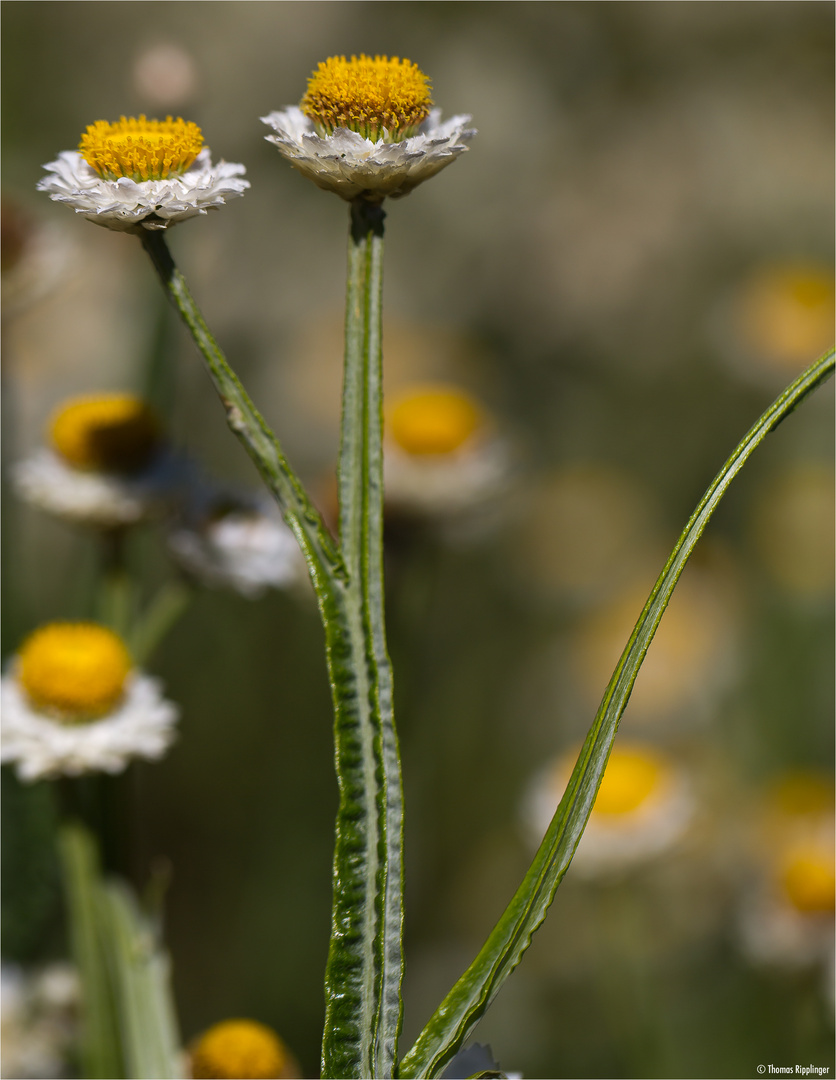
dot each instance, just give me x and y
(152, 204)
(350, 165)
(142, 725)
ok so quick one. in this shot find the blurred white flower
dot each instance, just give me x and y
(164, 75)
(365, 128)
(141, 174)
(785, 917)
(777, 320)
(441, 453)
(38, 1021)
(107, 465)
(239, 543)
(36, 256)
(73, 703)
(643, 807)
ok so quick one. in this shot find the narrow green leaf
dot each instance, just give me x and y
(470, 997)
(139, 969)
(101, 1056)
(365, 966)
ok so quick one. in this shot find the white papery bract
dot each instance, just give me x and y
(99, 499)
(129, 206)
(141, 725)
(351, 165)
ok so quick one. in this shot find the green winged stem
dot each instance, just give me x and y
(364, 970)
(471, 995)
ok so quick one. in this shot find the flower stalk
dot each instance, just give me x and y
(365, 965)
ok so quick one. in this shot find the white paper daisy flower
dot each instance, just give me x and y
(106, 466)
(139, 174)
(365, 128)
(234, 542)
(642, 809)
(72, 703)
(785, 919)
(441, 453)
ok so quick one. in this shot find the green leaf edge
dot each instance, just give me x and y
(465, 1004)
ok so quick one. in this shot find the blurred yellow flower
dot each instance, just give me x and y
(73, 703)
(781, 318)
(74, 670)
(241, 1050)
(106, 432)
(441, 453)
(642, 809)
(107, 464)
(787, 903)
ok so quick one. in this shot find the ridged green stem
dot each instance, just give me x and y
(364, 970)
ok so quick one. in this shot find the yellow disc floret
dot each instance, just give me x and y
(379, 98)
(141, 149)
(632, 776)
(809, 880)
(239, 1050)
(76, 671)
(105, 432)
(434, 420)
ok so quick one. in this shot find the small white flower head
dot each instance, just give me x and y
(73, 703)
(786, 913)
(642, 809)
(139, 174)
(106, 464)
(441, 453)
(365, 128)
(234, 542)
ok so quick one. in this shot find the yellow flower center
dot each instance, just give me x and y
(239, 1050)
(107, 432)
(809, 880)
(75, 670)
(434, 420)
(141, 149)
(631, 777)
(379, 98)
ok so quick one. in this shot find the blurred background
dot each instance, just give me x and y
(631, 262)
